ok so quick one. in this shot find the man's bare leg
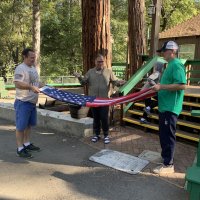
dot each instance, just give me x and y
(27, 135)
(20, 138)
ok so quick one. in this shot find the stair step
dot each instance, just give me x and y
(181, 134)
(141, 104)
(192, 95)
(180, 122)
(188, 113)
(186, 103)
(188, 124)
(184, 112)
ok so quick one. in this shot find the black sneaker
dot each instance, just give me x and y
(32, 147)
(24, 153)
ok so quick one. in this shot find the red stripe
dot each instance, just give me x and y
(143, 94)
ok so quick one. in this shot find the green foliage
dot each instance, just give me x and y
(175, 12)
(61, 37)
(14, 30)
(119, 46)
(61, 31)
(119, 29)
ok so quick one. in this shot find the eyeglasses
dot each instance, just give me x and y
(100, 61)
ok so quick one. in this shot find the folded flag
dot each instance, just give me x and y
(92, 101)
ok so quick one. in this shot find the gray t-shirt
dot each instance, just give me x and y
(29, 75)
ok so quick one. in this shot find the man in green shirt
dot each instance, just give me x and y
(170, 100)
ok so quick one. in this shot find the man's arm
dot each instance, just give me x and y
(82, 80)
(25, 86)
(171, 87)
(115, 81)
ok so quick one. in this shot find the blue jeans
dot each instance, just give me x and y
(26, 114)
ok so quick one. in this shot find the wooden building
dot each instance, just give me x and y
(187, 36)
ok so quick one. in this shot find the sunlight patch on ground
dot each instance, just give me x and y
(46, 133)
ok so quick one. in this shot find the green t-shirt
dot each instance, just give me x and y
(172, 100)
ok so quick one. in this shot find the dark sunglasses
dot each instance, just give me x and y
(100, 61)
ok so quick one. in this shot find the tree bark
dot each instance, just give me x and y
(36, 32)
(136, 33)
(96, 32)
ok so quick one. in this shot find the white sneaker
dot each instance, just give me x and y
(163, 169)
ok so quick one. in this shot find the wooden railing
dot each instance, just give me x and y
(193, 72)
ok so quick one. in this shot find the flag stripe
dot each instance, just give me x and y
(92, 101)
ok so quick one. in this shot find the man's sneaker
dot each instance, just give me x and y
(95, 138)
(31, 147)
(24, 153)
(144, 121)
(106, 140)
(147, 111)
(163, 169)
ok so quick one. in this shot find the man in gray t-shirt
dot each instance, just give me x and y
(28, 75)
(26, 81)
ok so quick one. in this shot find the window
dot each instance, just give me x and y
(186, 51)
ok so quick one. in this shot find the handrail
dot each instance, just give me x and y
(137, 77)
(192, 62)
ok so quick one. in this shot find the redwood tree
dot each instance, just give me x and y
(136, 33)
(96, 31)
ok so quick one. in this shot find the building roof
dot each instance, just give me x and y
(191, 27)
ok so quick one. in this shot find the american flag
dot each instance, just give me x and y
(92, 101)
(65, 96)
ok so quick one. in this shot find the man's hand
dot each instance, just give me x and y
(77, 75)
(122, 82)
(35, 89)
(156, 87)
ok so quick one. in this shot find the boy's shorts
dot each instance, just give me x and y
(26, 114)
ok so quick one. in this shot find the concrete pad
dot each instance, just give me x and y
(57, 121)
(120, 161)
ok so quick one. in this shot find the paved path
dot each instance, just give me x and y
(133, 141)
(62, 169)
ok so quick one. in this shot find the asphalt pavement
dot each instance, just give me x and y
(62, 170)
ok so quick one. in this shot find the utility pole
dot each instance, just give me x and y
(155, 27)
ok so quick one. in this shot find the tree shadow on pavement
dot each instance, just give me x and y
(109, 184)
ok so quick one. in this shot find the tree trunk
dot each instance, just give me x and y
(136, 33)
(95, 32)
(155, 29)
(36, 32)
